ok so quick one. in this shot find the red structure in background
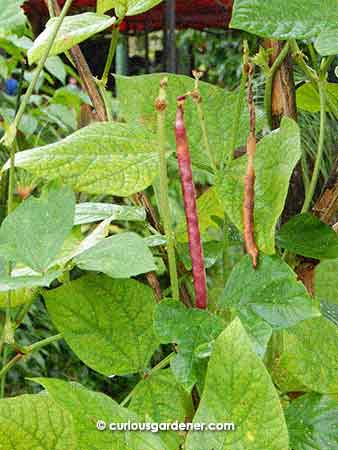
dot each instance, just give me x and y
(197, 14)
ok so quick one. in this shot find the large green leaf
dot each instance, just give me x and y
(238, 389)
(11, 15)
(95, 212)
(284, 19)
(74, 29)
(34, 233)
(86, 408)
(310, 356)
(189, 328)
(137, 96)
(312, 422)
(326, 281)
(103, 158)
(126, 7)
(107, 323)
(160, 399)
(271, 292)
(35, 422)
(308, 236)
(121, 256)
(273, 173)
(327, 42)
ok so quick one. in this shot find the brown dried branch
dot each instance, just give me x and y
(249, 183)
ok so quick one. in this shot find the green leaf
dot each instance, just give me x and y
(330, 311)
(121, 256)
(209, 207)
(273, 173)
(308, 97)
(327, 42)
(74, 29)
(11, 15)
(95, 212)
(86, 408)
(160, 399)
(107, 323)
(258, 330)
(238, 390)
(310, 356)
(271, 292)
(103, 158)
(189, 328)
(35, 422)
(312, 422)
(55, 66)
(34, 233)
(137, 96)
(326, 281)
(284, 20)
(126, 7)
(308, 236)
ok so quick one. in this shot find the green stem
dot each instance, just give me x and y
(27, 352)
(25, 308)
(164, 192)
(111, 54)
(326, 63)
(51, 8)
(299, 58)
(269, 82)
(319, 156)
(105, 99)
(11, 136)
(203, 126)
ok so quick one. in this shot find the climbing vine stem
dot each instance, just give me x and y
(160, 106)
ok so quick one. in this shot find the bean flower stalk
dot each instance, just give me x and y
(189, 195)
(161, 106)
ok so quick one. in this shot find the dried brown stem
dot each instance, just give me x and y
(249, 182)
(86, 76)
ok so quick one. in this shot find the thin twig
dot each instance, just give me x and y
(249, 183)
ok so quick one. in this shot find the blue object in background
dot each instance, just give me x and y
(11, 86)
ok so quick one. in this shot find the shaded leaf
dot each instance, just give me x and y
(238, 390)
(284, 20)
(189, 328)
(209, 208)
(107, 323)
(326, 281)
(312, 422)
(74, 29)
(121, 256)
(308, 236)
(55, 66)
(162, 400)
(273, 173)
(310, 356)
(102, 158)
(271, 292)
(35, 231)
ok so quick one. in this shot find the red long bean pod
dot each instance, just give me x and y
(189, 195)
(249, 182)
